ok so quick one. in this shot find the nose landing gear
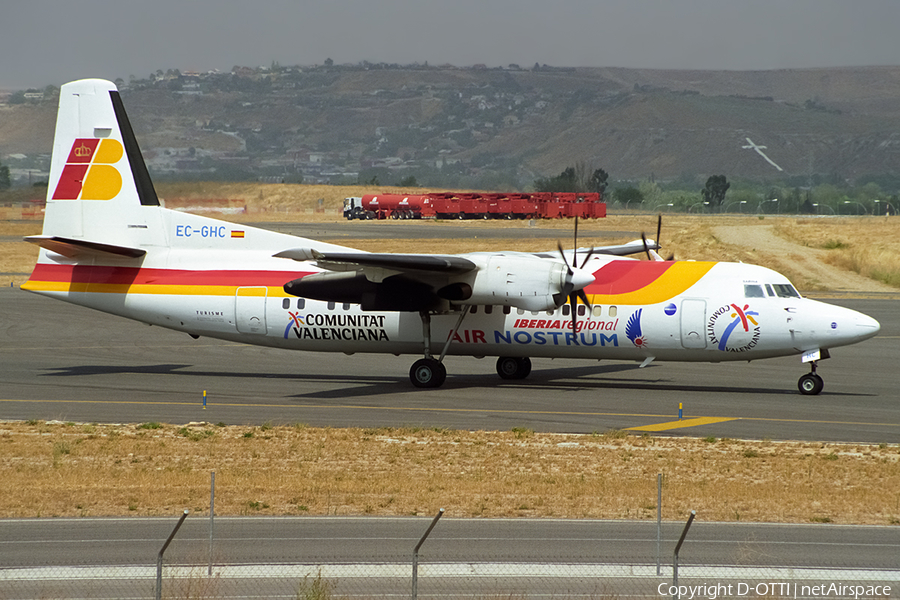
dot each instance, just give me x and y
(811, 383)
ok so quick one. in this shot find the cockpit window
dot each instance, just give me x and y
(753, 291)
(785, 290)
(770, 290)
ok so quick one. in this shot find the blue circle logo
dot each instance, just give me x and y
(670, 309)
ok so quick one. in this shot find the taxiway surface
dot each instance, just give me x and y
(59, 361)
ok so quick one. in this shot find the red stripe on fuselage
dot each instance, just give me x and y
(624, 276)
(138, 276)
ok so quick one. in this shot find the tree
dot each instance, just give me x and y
(564, 182)
(579, 178)
(599, 181)
(5, 181)
(626, 196)
(714, 192)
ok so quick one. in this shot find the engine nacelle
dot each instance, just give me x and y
(520, 281)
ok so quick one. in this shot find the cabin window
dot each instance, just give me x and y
(346, 306)
(301, 303)
(785, 290)
(550, 313)
(582, 309)
(506, 310)
(286, 303)
(770, 290)
(565, 310)
(753, 291)
(613, 311)
(535, 313)
(331, 306)
(597, 311)
(521, 311)
(488, 309)
(474, 309)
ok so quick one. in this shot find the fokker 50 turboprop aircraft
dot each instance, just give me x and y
(108, 244)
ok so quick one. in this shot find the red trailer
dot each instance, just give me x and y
(449, 205)
(472, 206)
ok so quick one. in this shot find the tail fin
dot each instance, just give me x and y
(100, 196)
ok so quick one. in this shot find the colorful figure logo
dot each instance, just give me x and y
(89, 173)
(633, 330)
(738, 335)
(295, 320)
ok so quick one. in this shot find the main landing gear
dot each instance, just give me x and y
(811, 383)
(512, 367)
(429, 372)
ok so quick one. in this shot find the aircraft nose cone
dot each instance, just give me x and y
(866, 326)
(850, 326)
(581, 278)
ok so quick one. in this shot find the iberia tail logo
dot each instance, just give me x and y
(89, 173)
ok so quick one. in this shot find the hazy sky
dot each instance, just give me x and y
(53, 41)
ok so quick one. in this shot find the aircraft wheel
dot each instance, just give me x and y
(509, 367)
(810, 384)
(427, 373)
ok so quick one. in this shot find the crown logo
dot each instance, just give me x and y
(82, 151)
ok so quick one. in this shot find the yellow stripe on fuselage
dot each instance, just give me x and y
(676, 280)
(116, 288)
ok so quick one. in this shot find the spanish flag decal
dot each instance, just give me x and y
(237, 234)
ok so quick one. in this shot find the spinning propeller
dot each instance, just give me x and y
(576, 279)
(651, 254)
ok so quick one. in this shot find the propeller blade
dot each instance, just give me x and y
(575, 247)
(573, 304)
(584, 299)
(658, 229)
(563, 256)
(588, 257)
(646, 248)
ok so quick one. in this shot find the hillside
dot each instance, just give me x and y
(496, 128)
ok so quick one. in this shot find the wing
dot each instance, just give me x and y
(408, 282)
(354, 261)
(635, 247)
(432, 282)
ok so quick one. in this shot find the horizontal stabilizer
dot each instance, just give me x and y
(80, 248)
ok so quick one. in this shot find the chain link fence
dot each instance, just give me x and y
(518, 566)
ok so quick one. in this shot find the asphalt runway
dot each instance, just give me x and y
(132, 540)
(59, 361)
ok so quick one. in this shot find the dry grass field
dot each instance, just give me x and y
(78, 469)
(60, 469)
